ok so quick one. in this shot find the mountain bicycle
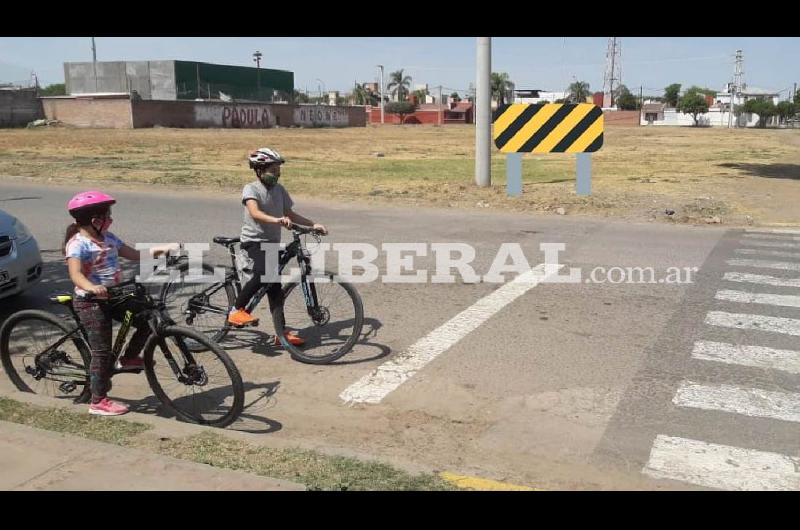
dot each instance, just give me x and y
(327, 313)
(49, 354)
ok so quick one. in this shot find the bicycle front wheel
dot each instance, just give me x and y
(201, 386)
(40, 356)
(201, 306)
(328, 315)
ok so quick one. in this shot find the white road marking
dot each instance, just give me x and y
(764, 264)
(769, 244)
(770, 236)
(721, 466)
(744, 277)
(789, 326)
(744, 355)
(783, 300)
(755, 402)
(376, 385)
(773, 231)
(759, 252)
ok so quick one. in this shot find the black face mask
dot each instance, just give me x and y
(269, 180)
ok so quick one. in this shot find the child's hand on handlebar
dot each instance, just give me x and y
(285, 221)
(99, 291)
(165, 249)
(320, 228)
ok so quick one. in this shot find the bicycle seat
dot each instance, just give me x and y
(61, 298)
(226, 241)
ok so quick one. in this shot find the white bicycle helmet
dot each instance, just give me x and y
(264, 156)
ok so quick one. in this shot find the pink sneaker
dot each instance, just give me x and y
(134, 363)
(106, 407)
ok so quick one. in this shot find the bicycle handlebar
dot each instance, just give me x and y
(300, 229)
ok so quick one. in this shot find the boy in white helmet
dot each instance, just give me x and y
(267, 208)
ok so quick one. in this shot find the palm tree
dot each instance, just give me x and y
(501, 86)
(399, 85)
(361, 95)
(578, 92)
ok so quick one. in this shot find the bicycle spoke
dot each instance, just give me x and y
(43, 360)
(204, 390)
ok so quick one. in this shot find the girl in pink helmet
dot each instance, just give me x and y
(92, 255)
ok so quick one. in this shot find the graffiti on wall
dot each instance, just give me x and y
(235, 116)
(320, 116)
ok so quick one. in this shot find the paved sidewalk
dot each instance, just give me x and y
(35, 459)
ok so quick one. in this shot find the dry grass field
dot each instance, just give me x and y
(738, 176)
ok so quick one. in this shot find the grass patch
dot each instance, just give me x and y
(316, 470)
(109, 430)
(638, 168)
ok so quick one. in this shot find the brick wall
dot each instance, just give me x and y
(148, 113)
(111, 113)
(124, 113)
(613, 118)
(426, 117)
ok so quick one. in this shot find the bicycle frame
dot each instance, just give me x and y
(157, 320)
(292, 250)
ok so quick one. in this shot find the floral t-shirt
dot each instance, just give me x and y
(99, 261)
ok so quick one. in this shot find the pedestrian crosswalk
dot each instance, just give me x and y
(757, 303)
(746, 355)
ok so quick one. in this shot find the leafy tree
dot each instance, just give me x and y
(362, 96)
(402, 108)
(399, 85)
(58, 89)
(420, 95)
(797, 98)
(501, 86)
(785, 110)
(701, 90)
(765, 109)
(578, 92)
(300, 97)
(455, 97)
(625, 100)
(693, 103)
(672, 94)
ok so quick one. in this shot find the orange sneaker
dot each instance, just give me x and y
(292, 337)
(240, 317)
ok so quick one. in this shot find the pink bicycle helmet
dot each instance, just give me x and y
(88, 199)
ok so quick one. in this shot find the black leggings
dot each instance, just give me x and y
(274, 291)
(97, 316)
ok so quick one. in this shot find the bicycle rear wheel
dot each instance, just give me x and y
(331, 328)
(201, 386)
(201, 306)
(40, 358)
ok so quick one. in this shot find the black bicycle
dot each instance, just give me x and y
(48, 354)
(327, 313)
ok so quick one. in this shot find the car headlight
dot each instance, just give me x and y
(23, 234)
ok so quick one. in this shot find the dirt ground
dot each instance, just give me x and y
(668, 174)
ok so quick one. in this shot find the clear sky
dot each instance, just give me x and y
(334, 63)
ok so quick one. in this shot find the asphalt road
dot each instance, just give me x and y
(556, 385)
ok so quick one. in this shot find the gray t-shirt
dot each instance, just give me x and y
(275, 202)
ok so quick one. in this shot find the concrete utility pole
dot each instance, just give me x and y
(440, 104)
(257, 59)
(738, 81)
(94, 63)
(381, 67)
(483, 113)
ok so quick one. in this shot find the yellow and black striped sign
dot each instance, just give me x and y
(548, 128)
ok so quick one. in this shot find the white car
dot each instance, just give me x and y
(20, 260)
